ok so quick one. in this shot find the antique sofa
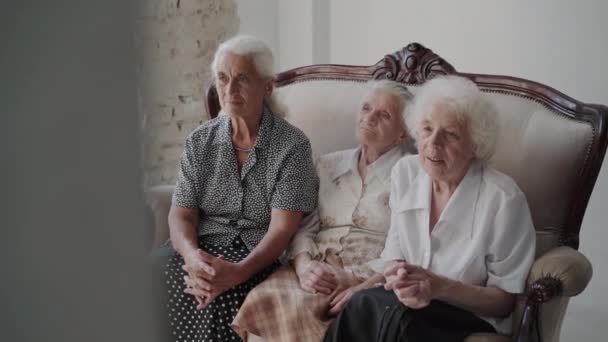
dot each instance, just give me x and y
(551, 144)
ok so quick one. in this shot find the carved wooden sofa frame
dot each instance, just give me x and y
(560, 271)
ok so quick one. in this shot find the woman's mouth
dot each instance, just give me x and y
(434, 159)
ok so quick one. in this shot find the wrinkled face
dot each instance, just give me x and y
(380, 123)
(241, 89)
(444, 144)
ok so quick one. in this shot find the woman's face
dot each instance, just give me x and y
(240, 87)
(380, 123)
(444, 144)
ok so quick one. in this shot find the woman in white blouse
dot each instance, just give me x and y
(461, 240)
(333, 245)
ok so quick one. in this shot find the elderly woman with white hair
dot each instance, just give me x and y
(330, 251)
(461, 240)
(244, 182)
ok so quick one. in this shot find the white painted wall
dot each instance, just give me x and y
(561, 43)
(259, 18)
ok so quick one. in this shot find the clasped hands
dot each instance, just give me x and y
(209, 276)
(320, 277)
(414, 286)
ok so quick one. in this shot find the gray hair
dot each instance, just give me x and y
(250, 46)
(464, 99)
(396, 89)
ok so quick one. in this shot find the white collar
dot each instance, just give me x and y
(461, 206)
(381, 167)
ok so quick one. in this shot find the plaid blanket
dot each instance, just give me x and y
(279, 310)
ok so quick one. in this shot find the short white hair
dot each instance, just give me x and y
(396, 89)
(249, 46)
(463, 99)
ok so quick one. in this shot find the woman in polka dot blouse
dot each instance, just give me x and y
(244, 182)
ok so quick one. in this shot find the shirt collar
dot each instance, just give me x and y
(380, 168)
(460, 208)
(224, 133)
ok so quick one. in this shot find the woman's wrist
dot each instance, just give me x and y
(443, 287)
(301, 261)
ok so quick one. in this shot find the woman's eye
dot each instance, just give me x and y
(453, 135)
(426, 129)
(365, 108)
(385, 115)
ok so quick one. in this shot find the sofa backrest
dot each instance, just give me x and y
(551, 144)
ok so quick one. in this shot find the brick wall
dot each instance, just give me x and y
(175, 41)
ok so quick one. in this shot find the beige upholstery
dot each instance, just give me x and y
(571, 267)
(532, 149)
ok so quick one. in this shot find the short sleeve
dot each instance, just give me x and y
(297, 183)
(512, 248)
(186, 192)
(304, 241)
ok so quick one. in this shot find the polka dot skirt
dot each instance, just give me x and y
(213, 322)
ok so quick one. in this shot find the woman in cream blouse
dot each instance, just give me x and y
(330, 250)
(461, 240)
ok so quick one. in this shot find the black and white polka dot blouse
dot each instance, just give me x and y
(279, 173)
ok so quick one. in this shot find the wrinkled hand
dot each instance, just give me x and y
(340, 301)
(203, 291)
(215, 271)
(414, 286)
(197, 266)
(317, 276)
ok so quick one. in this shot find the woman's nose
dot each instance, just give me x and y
(232, 86)
(435, 139)
(371, 117)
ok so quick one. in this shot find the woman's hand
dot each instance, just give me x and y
(315, 276)
(340, 301)
(217, 271)
(414, 286)
(203, 292)
(196, 265)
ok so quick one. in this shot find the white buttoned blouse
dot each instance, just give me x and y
(353, 217)
(484, 236)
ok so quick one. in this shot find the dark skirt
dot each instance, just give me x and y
(377, 315)
(213, 322)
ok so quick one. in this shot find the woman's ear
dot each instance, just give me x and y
(403, 136)
(268, 88)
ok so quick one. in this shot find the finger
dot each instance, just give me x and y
(201, 283)
(404, 283)
(305, 285)
(203, 270)
(200, 292)
(316, 288)
(392, 268)
(319, 273)
(323, 286)
(308, 288)
(324, 268)
(394, 281)
(208, 259)
(413, 268)
(199, 302)
(339, 297)
(198, 283)
(407, 292)
(339, 306)
(316, 279)
(194, 292)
